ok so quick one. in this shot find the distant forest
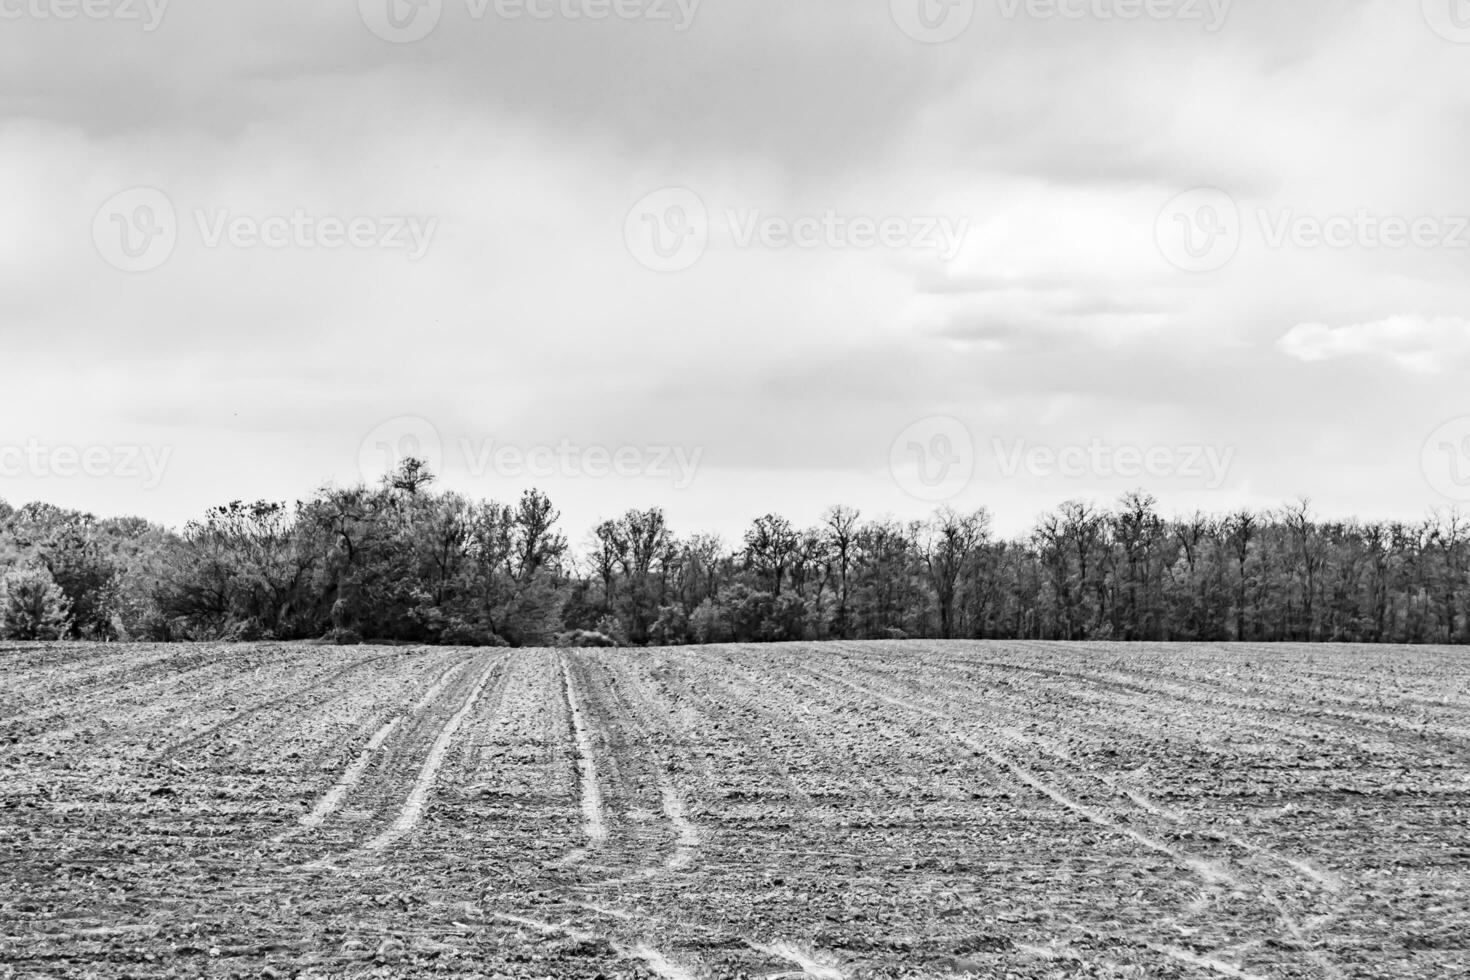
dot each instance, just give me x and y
(403, 562)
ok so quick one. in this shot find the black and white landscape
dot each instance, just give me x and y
(735, 488)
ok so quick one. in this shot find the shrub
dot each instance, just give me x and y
(461, 634)
(707, 623)
(671, 628)
(32, 606)
(343, 637)
(586, 638)
(246, 631)
(611, 627)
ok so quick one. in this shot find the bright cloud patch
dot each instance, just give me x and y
(1413, 343)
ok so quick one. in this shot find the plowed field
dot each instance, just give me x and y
(844, 810)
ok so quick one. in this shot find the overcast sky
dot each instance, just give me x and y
(737, 255)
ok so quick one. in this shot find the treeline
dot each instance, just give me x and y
(404, 562)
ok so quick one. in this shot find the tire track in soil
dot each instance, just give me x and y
(1194, 959)
(594, 806)
(594, 822)
(138, 668)
(1101, 691)
(805, 964)
(164, 689)
(413, 806)
(661, 964)
(687, 835)
(333, 798)
(418, 797)
(731, 676)
(1385, 727)
(654, 960)
(596, 829)
(246, 715)
(1098, 692)
(329, 802)
(637, 693)
(1213, 873)
(1325, 880)
(1323, 683)
(685, 832)
(717, 696)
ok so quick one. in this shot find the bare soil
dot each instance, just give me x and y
(1011, 810)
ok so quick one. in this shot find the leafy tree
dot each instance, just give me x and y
(33, 606)
(949, 546)
(770, 548)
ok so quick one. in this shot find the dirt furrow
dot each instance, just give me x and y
(418, 797)
(289, 700)
(1326, 880)
(1213, 873)
(334, 796)
(595, 823)
(804, 962)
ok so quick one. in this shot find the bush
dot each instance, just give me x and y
(671, 628)
(246, 631)
(585, 638)
(461, 634)
(32, 606)
(612, 628)
(707, 624)
(343, 637)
